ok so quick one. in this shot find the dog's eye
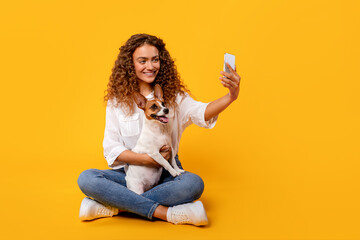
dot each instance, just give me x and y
(154, 107)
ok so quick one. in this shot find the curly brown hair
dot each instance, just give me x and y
(124, 82)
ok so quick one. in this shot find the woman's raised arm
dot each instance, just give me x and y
(230, 81)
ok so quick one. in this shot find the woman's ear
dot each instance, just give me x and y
(158, 93)
(140, 100)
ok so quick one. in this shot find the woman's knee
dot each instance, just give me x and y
(86, 177)
(196, 184)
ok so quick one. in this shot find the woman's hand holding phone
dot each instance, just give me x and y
(230, 79)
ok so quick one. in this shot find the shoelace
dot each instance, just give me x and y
(103, 211)
(180, 217)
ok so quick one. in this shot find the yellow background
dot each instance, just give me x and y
(282, 161)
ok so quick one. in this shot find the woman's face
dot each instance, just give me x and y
(146, 62)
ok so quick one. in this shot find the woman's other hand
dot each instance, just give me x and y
(165, 151)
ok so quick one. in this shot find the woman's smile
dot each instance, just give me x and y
(150, 74)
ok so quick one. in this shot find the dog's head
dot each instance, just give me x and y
(154, 109)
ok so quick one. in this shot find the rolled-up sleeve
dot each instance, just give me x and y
(194, 112)
(113, 144)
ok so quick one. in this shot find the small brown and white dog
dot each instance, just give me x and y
(155, 133)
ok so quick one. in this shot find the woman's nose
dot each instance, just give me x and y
(149, 65)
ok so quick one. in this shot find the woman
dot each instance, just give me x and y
(143, 61)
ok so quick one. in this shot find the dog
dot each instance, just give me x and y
(156, 132)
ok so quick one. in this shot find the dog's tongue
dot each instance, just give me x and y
(164, 119)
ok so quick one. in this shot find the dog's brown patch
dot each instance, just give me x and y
(152, 107)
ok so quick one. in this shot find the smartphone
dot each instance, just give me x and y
(229, 58)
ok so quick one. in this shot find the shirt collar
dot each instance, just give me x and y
(150, 95)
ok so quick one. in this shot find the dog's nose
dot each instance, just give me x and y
(166, 111)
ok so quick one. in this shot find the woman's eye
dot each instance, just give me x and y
(156, 60)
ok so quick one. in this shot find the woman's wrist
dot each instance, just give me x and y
(228, 99)
(148, 161)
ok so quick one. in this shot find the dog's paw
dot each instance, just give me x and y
(174, 173)
(179, 172)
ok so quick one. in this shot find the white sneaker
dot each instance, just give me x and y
(189, 213)
(91, 209)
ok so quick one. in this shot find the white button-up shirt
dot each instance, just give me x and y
(122, 132)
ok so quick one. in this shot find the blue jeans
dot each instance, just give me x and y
(109, 188)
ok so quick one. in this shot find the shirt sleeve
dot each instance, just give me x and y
(194, 112)
(113, 143)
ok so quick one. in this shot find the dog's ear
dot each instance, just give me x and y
(158, 93)
(140, 100)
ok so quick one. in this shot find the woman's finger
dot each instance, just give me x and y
(226, 85)
(234, 72)
(230, 82)
(230, 68)
(231, 76)
(165, 148)
(228, 75)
